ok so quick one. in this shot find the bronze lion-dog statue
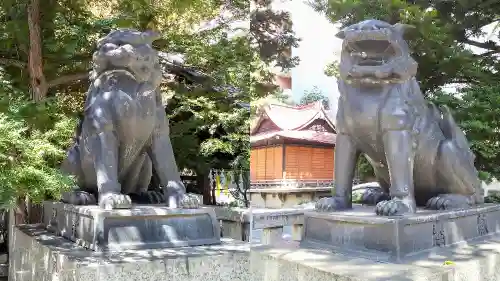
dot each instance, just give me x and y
(419, 154)
(124, 134)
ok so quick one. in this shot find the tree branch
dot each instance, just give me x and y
(490, 45)
(66, 79)
(487, 54)
(12, 62)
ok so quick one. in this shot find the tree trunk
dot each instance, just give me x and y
(35, 60)
(203, 182)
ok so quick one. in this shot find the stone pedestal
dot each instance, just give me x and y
(40, 255)
(360, 232)
(286, 197)
(473, 261)
(142, 227)
(356, 245)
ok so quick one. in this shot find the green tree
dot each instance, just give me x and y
(313, 95)
(475, 111)
(33, 137)
(444, 32)
(47, 51)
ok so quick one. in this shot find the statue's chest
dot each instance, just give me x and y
(137, 116)
(361, 112)
(140, 108)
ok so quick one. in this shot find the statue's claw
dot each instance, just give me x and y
(448, 201)
(329, 204)
(393, 207)
(78, 197)
(115, 201)
(189, 201)
(373, 196)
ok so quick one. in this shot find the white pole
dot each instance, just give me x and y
(250, 227)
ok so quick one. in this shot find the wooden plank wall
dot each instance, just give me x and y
(266, 163)
(305, 162)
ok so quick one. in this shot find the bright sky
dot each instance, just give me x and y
(318, 47)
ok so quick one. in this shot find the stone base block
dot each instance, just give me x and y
(39, 255)
(361, 233)
(473, 261)
(290, 197)
(142, 227)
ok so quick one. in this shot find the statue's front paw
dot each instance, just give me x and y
(393, 207)
(329, 204)
(78, 197)
(372, 196)
(448, 201)
(115, 201)
(189, 201)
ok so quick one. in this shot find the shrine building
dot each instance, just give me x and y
(292, 155)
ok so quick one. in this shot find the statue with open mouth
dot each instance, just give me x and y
(419, 155)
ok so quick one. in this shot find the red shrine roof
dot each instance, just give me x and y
(309, 122)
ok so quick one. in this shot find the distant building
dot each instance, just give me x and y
(283, 78)
(292, 147)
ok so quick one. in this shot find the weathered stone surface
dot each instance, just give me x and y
(361, 233)
(141, 227)
(39, 255)
(285, 197)
(263, 218)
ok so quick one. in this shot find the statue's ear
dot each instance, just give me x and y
(340, 34)
(406, 30)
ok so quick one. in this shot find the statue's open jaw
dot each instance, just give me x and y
(372, 60)
(375, 53)
(371, 52)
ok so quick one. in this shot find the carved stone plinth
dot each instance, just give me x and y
(142, 227)
(360, 232)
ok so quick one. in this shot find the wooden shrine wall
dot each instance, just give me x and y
(301, 163)
(266, 163)
(309, 162)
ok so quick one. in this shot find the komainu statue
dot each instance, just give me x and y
(124, 134)
(420, 156)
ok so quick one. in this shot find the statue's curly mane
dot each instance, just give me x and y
(127, 50)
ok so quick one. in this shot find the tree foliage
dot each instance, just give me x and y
(32, 141)
(445, 30)
(313, 95)
(449, 53)
(475, 112)
(209, 121)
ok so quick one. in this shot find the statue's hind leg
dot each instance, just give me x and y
(457, 173)
(72, 166)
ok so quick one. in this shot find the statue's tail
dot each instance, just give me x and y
(453, 132)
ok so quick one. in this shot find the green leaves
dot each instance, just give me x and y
(446, 29)
(315, 94)
(208, 128)
(476, 113)
(28, 161)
